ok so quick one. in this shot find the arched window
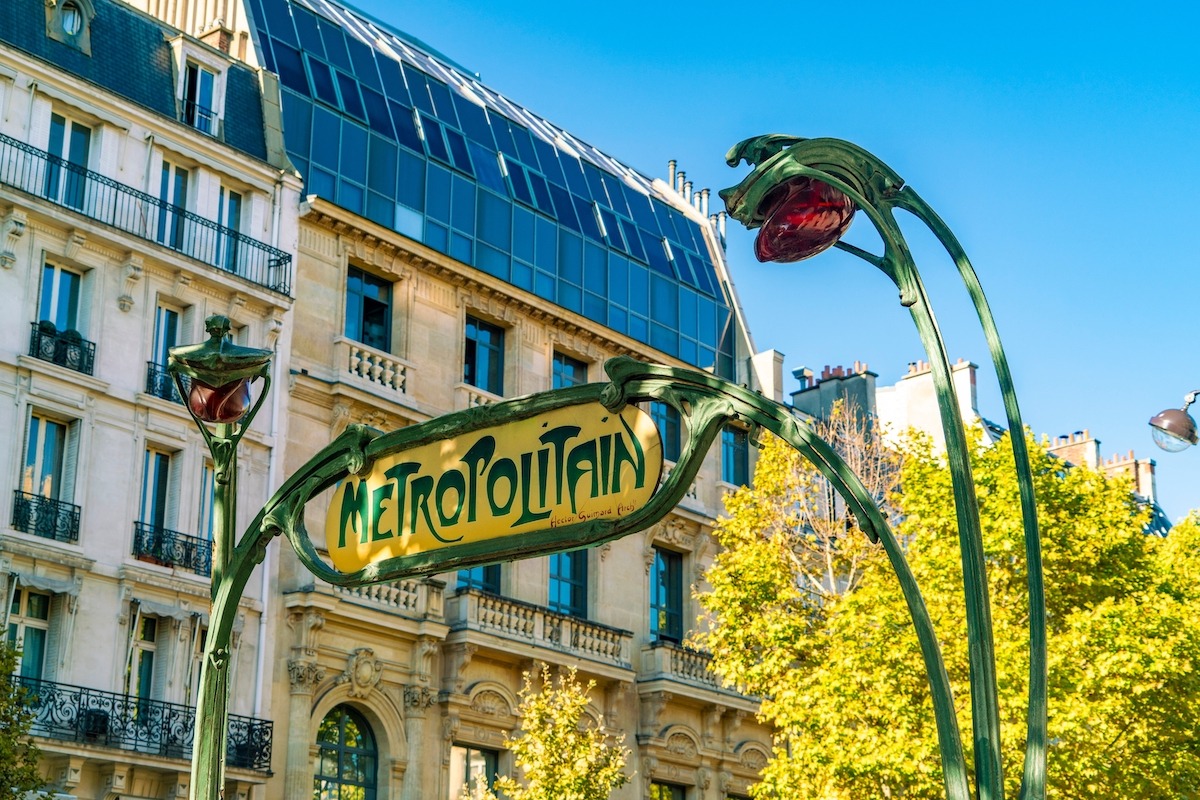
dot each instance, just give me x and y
(347, 758)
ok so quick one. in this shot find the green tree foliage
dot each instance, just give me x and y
(561, 753)
(18, 754)
(840, 671)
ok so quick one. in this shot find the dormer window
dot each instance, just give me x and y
(200, 89)
(199, 98)
(70, 22)
(72, 19)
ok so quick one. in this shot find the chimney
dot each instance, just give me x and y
(704, 202)
(680, 177)
(671, 172)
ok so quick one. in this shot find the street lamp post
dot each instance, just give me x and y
(219, 375)
(802, 195)
(1174, 430)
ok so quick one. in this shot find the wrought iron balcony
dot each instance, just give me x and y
(172, 549)
(125, 208)
(160, 384)
(65, 348)
(107, 719)
(45, 517)
(201, 118)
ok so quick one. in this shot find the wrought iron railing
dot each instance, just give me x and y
(160, 384)
(201, 118)
(45, 517)
(77, 714)
(172, 549)
(65, 348)
(123, 207)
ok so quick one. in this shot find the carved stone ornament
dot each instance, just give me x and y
(754, 759)
(490, 703)
(12, 228)
(362, 672)
(681, 745)
(304, 675)
(419, 698)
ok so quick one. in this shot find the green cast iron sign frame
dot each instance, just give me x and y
(707, 403)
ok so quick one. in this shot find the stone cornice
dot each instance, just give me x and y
(395, 247)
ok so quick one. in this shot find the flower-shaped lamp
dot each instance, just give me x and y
(220, 373)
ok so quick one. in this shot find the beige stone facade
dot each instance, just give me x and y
(444, 662)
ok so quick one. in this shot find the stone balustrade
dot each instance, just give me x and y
(410, 598)
(374, 369)
(513, 619)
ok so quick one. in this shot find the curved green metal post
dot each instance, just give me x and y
(878, 190)
(708, 403)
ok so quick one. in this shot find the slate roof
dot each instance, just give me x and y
(131, 57)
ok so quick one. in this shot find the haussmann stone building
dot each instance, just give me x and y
(410, 242)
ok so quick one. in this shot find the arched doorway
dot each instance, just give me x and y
(347, 757)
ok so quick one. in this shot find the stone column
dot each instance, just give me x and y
(417, 778)
(304, 675)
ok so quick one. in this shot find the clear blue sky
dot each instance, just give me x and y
(1059, 143)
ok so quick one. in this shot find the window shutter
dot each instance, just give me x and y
(55, 636)
(135, 621)
(187, 323)
(26, 483)
(174, 481)
(70, 462)
(164, 658)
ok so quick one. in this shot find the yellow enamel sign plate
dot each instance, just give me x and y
(570, 465)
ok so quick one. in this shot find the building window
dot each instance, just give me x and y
(735, 456)
(666, 596)
(66, 170)
(29, 629)
(70, 22)
(166, 334)
(346, 757)
(485, 578)
(483, 361)
(568, 583)
(229, 215)
(145, 648)
(568, 372)
(666, 418)
(173, 192)
(60, 297)
(158, 496)
(369, 310)
(46, 459)
(667, 791)
(199, 98)
(471, 767)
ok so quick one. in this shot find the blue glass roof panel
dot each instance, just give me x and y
(363, 59)
(335, 44)
(310, 33)
(390, 174)
(322, 81)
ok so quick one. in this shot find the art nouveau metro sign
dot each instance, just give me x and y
(562, 467)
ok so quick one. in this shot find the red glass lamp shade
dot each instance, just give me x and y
(220, 404)
(803, 217)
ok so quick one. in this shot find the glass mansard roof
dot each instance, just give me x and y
(379, 126)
